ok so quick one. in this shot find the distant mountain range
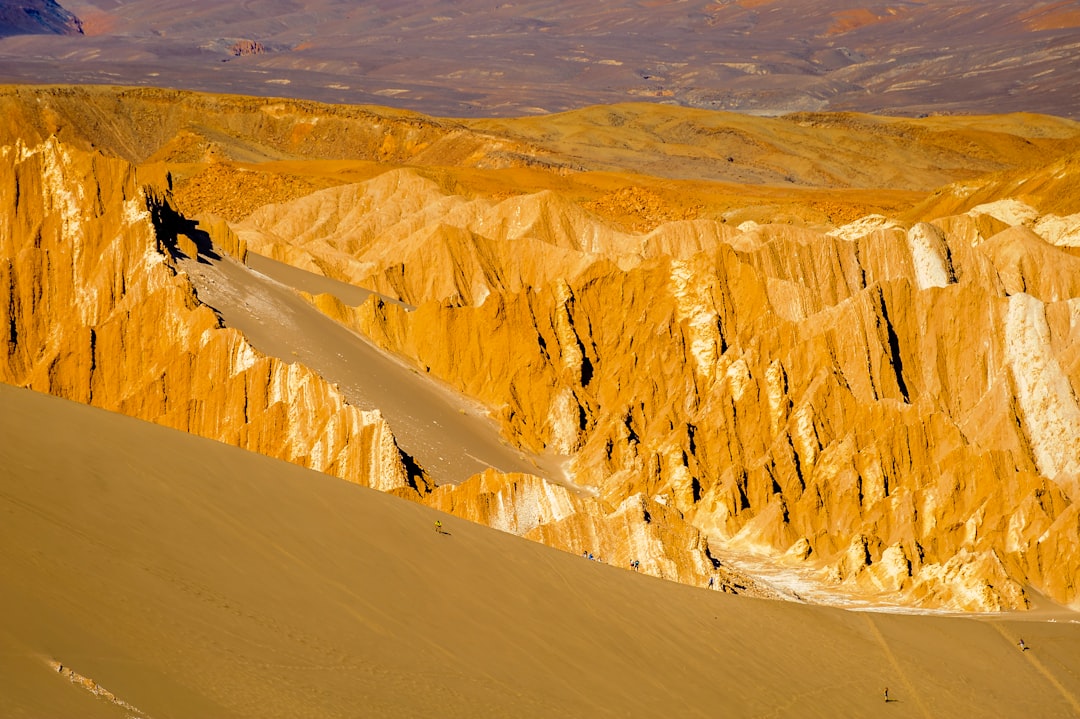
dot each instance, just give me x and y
(37, 17)
(472, 58)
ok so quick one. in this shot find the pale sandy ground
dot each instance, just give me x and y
(193, 579)
(449, 436)
(311, 283)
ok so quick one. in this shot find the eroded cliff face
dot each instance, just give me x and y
(95, 311)
(639, 533)
(887, 406)
(895, 408)
(99, 311)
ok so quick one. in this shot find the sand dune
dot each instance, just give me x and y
(189, 578)
(449, 436)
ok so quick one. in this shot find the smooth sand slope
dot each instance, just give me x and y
(192, 579)
(446, 434)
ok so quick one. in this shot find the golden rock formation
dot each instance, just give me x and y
(96, 312)
(900, 406)
(99, 312)
(640, 533)
(887, 406)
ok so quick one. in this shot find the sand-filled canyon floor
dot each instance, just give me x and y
(188, 578)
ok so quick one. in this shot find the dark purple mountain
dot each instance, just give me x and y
(36, 17)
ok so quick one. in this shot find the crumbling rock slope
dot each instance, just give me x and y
(99, 311)
(885, 406)
(897, 411)
(96, 312)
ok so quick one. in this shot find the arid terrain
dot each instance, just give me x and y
(465, 58)
(165, 575)
(573, 329)
(830, 358)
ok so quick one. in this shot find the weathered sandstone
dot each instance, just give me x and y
(890, 403)
(885, 403)
(95, 311)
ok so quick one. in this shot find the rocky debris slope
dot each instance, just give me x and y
(96, 312)
(895, 408)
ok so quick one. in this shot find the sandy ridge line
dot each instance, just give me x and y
(1041, 668)
(96, 689)
(896, 665)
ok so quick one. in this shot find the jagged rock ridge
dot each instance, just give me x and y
(890, 406)
(900, 406)
(96, 312)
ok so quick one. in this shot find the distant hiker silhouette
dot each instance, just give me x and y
(438, 526)
(886, 695)
(1023, 647)
(712, 581)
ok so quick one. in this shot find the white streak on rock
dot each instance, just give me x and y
(1051, 413)
(929, 256)
(691, 299)
(1011, 212)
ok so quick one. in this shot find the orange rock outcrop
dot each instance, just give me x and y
(901, 406)
(95, 311)
(888, 407)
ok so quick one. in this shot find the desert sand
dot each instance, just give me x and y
(189, 578)
(449, 436)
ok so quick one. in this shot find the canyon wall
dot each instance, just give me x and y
(96, 312)
(887, 407)
(896, 408)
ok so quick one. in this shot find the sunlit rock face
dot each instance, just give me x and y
(97, 312)
(900, 403)
(886, 405)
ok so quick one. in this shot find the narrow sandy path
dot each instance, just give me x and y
(447, 434)
(909, 688)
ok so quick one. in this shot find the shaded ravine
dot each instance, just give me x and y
(448, 435)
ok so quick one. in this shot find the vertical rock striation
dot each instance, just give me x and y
(884, 402)
(95, 311)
